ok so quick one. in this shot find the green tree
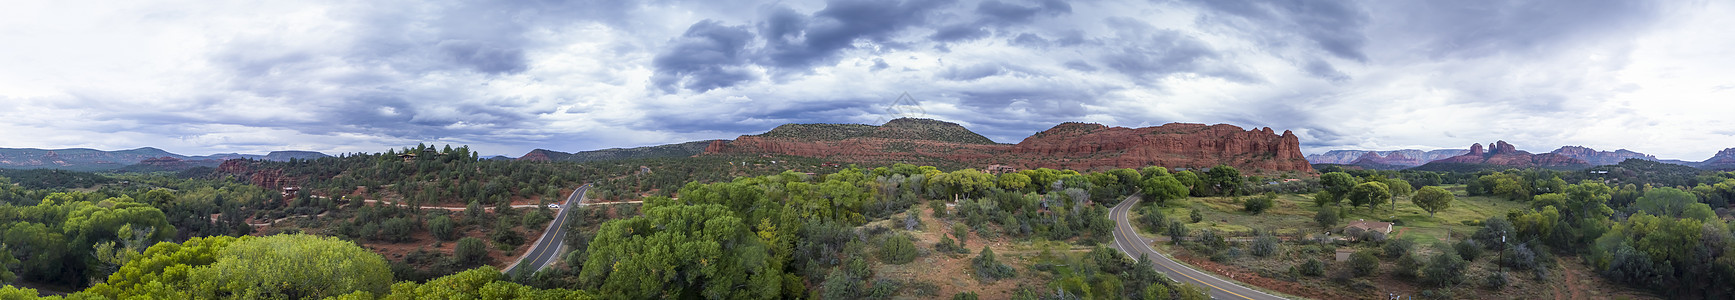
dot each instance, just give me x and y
(1338, 184)
(1433, 199)
(1364, 262)
(291, 266)
(898, 250)
(961, 232)
(471, 251)
(1399, 188)
(988, 268)
(441, 228)
(1369, 194)
(708, 243)
(1014, 181)
(1671, 202)
(1224, 180)
(1312, 267)
(1161, 189)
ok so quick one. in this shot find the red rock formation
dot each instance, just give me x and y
(1094, 147)
(265, 178)
(1076, 146)
(1501, 153)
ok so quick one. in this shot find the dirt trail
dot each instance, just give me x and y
(1572, 284)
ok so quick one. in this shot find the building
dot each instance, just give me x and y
(999, 169)
(1358, 226)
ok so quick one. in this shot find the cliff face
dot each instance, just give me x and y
(265, 178)
(1503, 154)
(1091, 147)
(1075, 146)
(1601, 157)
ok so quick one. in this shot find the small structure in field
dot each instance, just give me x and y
(1355, 228)
(999, 169)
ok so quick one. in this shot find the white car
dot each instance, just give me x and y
(555, 206)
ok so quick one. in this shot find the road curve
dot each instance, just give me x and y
(1128, 241)
(547, 248)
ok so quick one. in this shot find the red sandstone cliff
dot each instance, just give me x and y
(1076, 146)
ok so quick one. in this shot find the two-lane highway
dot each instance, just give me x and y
(548, 248)
(1127, 239)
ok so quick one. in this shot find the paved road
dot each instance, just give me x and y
(547, 248)
(1127, 239)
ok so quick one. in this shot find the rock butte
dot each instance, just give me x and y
(1077, 146)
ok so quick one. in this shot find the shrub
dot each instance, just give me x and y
(441, 228)
(1265, 245)
(1496, 281)
(858, 268)
(965, 296)
(1313, 267)
(396, 230)
(1258, 205)
(1196, 216)
(898, 250)
(1445, 269)
(961, 232)
(1518, 257)
(1212, 241)
(471, 251)
(988, 268)
(1408, 266)
(504, 235)
(1153, 219)
(1372, 236)
(1326, 218)
(1364, 262)
(1399, 248)
(939, 208)
(1177, 232)
(1468, 249)
(839, 285)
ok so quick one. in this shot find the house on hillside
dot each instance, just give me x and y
(999, 169)
(1357, 227)
(408, 157)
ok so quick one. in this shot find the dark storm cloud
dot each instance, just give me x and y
(994, 12)
(709, 56)
(484, 58)
(797, 43)
(957, 33)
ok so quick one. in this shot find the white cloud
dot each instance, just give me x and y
(199, 78)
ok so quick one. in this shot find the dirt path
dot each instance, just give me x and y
(1572, 284)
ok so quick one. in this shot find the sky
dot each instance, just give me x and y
(202, 77)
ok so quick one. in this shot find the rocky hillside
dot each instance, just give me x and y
(1078, 146)
(1405, 157)
(1500, 154)
(1600, 158)
(671, 150)
(1723, 161)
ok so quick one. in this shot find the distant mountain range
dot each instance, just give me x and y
(1499, 155)
(81, 159)
(687, 149)
(1077, 146)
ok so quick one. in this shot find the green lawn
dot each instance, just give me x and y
(1291, 214)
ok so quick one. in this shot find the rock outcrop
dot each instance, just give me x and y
(1077, 146)
(1500, 153)
(265, 178)
(1601, 157)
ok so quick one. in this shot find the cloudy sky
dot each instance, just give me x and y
(201, 77)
